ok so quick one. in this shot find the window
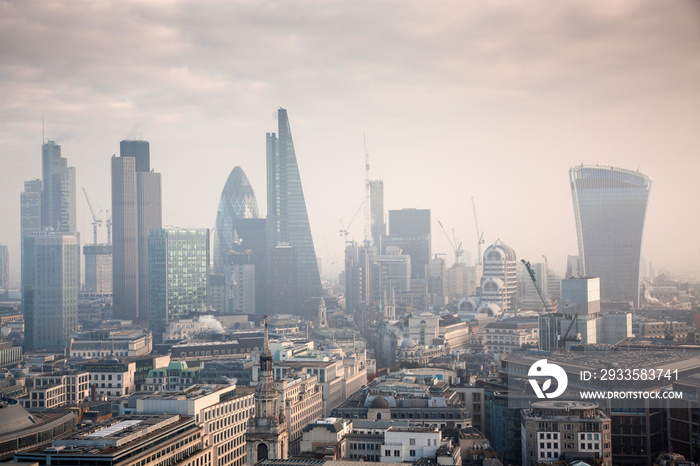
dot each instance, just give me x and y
(412, 452)
(397, 452)
(412, 441)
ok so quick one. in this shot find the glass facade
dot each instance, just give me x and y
(178, 260)
(237, 202)
(288, 221)
(50, 290)
(610, 206)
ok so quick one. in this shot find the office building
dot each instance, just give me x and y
(240, 283)
(178, 273)
(140, 151)
(222, 413)
(98, 268)
(288, 221)
(498, 282)
(125, 258)
(376, 193)
(610, 207)
(4, 272)
(571, 430)
(283, 279)
(136, 208)
(128, 439)
(58, 193)
(358, 266)
(50, 290)
(237, 202)
(30, 212)
(409, 229)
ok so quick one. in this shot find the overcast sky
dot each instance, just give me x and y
(490, 99)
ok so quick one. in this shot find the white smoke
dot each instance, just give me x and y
(212, 324)
(230, 380)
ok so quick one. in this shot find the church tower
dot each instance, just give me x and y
(267, 436)
(322, 314)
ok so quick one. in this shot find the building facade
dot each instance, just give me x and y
(288, 221)
(178, 274)
(610, 207)
(58, 192)
(50, 290)
(98, 268)
(409, 229)
(499, 279)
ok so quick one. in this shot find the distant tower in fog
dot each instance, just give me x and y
(376, 189)
(288, 221)
(136, 208)
(499, 279)
(237, 202)
(58, 192)
(610, 207)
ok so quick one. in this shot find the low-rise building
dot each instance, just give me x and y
(409, 444)
(565, 430)
(129, 440)
(510, 334)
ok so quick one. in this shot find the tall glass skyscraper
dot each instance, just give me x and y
(58, 194)
(237, 202)
(178, 260)
(610, 205)
(288, 221)
(136, 208)
(50, 289)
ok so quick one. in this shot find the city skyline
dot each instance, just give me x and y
(502, 116)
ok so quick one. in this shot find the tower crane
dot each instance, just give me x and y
(96, 220)
(562, 337)
(108, 224)
(343, 229)
(456, 246)
(479, 235)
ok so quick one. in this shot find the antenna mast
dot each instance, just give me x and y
(368, 221)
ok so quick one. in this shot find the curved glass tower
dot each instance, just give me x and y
(237, 202)
(610, 205)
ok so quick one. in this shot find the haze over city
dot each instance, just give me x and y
(458, 99)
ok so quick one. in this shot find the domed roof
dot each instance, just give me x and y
(408, 343)
(506, 252)
(379, 403)
(14, 417)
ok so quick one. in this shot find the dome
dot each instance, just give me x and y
(14, 417)
(408, 343)
(379, 403)
(499, 251)
(490, 309)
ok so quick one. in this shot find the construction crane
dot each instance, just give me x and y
(561, 337)
(368, 221)
(343, 229)
(479, 235)
(96, 221)
(456, 246)
(108, 224)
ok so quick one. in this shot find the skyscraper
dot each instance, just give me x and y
(409, 229)
(125, 255)
(136, 208)
(237, 202)
(58, 193)
(178, 272)
(376, 194)
(4, 272)
(499, 279)
(288, 221)
(50, 289)
(98, 268)
(610, 206)
(30, 213)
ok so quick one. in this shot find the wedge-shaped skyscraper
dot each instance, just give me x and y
(288, 221)
(610, 205)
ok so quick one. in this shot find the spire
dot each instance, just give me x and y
(266, 344)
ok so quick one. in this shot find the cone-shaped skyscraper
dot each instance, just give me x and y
(237, 202)
(288, 222)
